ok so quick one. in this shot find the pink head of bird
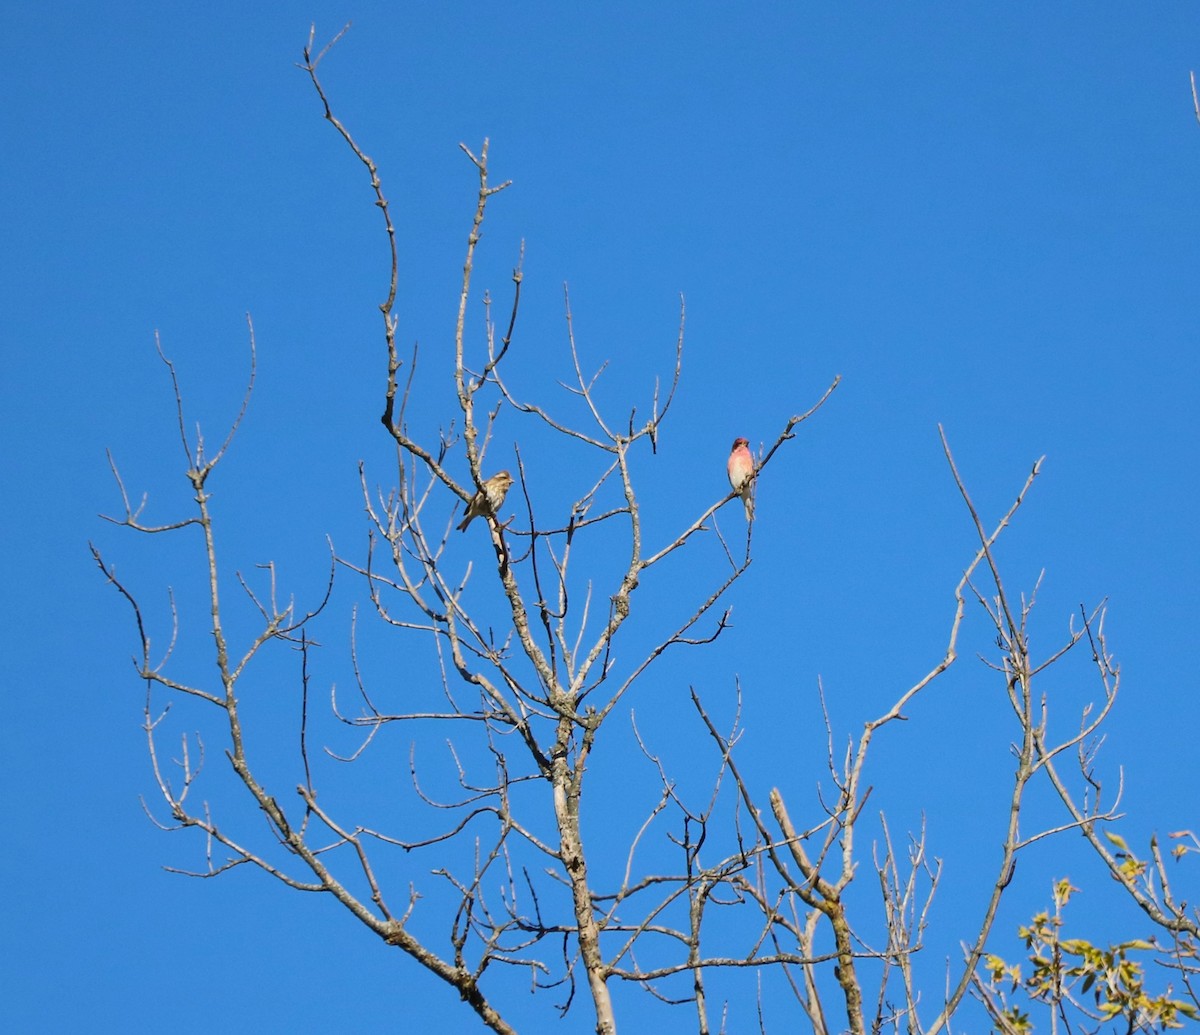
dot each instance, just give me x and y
(740, 442)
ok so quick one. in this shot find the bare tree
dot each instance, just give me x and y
(530, 682)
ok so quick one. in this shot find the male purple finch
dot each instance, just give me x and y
(741, 474)
(489, 499)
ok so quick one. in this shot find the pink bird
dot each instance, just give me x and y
(741, 474)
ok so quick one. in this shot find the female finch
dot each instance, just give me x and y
(489, 499)
(741, 474)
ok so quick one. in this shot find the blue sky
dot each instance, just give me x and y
(983, 217)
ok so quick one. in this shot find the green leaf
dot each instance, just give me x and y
(1117, 840)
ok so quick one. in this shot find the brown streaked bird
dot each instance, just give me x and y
(740, 469)
(489, 499)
